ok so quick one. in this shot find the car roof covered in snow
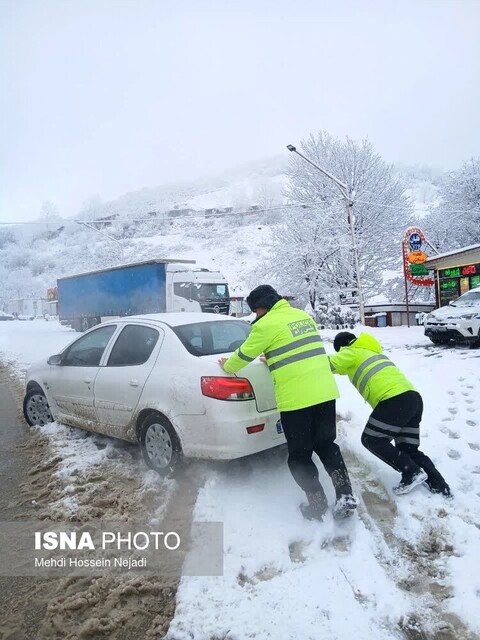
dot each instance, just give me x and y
(180, 318)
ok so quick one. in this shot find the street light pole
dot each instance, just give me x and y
(346, 192)
(89, 226)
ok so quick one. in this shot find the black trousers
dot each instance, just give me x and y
(309, 430)
(398, 419)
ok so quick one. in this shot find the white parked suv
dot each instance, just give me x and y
(459, 321)
(156, 380)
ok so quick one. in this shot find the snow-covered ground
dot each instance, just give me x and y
(404, 567)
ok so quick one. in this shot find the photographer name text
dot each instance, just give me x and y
(95, 563)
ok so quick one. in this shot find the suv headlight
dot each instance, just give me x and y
(468, 316)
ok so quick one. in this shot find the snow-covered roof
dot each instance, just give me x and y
(472, 247)
(399, 306)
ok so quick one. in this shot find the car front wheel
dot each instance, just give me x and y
(160, 445)
(36, 409)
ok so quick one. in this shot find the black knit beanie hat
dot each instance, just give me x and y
(263, 297)
(343, 339)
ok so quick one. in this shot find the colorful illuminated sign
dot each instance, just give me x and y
(417, 257)
(414, 256)
(460, 272)
(448, 284)
(415, 242)
(418, 270)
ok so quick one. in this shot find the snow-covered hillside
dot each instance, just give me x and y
(165, 222)
(226, 223)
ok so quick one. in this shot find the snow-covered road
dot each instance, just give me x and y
(404, 567)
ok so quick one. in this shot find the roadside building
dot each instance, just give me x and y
(394, 314)
(28, 306)
(455, 273)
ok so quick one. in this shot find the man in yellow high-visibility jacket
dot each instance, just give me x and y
(397, 410)
(305, 391)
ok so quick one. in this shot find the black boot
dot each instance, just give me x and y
(346, 502)
(317, 506)
(436, 483)
(410, 479)
(345, 506)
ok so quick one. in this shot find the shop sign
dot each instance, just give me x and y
(418, 270)
(460, 272)
(52, 293)
(414, 256)
(417, 257)
(448, 284)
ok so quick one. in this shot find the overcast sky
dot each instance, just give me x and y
(100, 97)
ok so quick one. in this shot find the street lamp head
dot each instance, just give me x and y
(290, 147)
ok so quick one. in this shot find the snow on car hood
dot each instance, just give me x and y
(450, 312)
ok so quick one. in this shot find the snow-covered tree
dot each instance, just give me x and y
(305, 262)
(91, 209)
(381, 213)
(456, 221)
(267, 194)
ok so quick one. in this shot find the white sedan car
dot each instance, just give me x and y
(156, 380)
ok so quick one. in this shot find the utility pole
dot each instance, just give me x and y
(89, 226)
(347, 194)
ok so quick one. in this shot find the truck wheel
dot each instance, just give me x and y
(35, 408)
(76, 324)
(160, 444)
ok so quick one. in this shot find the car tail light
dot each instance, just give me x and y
(223, 388)
(256, 428)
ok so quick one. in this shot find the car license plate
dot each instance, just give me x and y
(441, 329)
(279, 427)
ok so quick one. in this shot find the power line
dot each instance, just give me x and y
(165, 217)
(406, 208)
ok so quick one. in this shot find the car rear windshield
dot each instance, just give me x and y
(209, 338)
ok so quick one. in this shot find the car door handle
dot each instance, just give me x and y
(134, 382)
(87, 380)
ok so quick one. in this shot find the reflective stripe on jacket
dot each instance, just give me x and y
(292, 345)
(369, 370)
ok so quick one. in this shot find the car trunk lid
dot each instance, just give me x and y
(257, 374)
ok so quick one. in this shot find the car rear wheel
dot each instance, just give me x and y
(160, 445)
(36, 409)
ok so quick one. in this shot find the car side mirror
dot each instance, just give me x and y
(56, 359)
(450, 303)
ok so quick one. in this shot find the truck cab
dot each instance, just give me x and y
(195, 289)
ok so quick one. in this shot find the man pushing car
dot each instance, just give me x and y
(397, 410)
(305, 392)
